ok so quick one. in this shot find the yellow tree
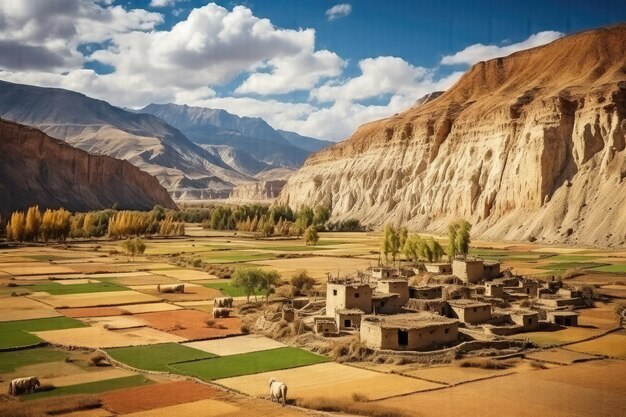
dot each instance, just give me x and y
(33, 223)
(18, 226)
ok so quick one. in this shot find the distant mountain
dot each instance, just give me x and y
(183, 168)
(37, 169)
(237, 159)
(251, 135)
(305, 142)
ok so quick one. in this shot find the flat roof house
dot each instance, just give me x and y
(470, 311)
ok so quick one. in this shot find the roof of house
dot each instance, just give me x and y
(465, 303)
(409, 320)
(350, 311)
(563, 313)
(383, 296)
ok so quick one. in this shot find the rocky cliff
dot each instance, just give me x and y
(37, 169)
(529, 146)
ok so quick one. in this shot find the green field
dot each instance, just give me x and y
(45, 258)
(248, 363)
(15, 333)
(54, 288)
(157, 357)
(573, 258)
(10, 361)
(227, 288)
(92, 387)
(225, 257)
(615, 268)
(563, 266)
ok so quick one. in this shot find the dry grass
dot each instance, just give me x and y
(348, 406)
(48, 407)
(538, 365)
(486, 364)
(98, 359)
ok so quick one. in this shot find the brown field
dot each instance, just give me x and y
(455, 374)
(603, 316)
(116, 322)
(147, 279)
(97, 299)
(205, 408)
(589, 389)
(149, 307)
(86, 377)
(557, 355)
(317, 266)
(193, 292)
(91, 311)
(188, 274)
(121, 275)
(96, 412)
(613, 345)
(190, 324)
(35, 268)
(559, 337)
(99, 337)
(330, 380)
(48, 370)
(72, 281)
(23, 308)
(149, 397)
(236, 345)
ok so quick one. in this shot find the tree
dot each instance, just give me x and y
(267, 283)
(33, 223)
(412, 247)
(303, 282)
(18, 226)
(304, 218)
(134, 247)
(311, 236)
(391, 242)
(435, 249)
(247, 279)
(458, 238)
(321, 216)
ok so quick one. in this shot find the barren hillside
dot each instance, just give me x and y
(529, 146)
(37, 169)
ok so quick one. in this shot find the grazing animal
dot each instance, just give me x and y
(171, 288)
(278, 391)
(223, 302)
(220, 312)
(21, 385)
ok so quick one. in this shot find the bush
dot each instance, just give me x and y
(302, 281)
(486, 364)
(98, 359)
(348, 406)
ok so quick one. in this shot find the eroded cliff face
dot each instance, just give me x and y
(531, 146)
(37, 169)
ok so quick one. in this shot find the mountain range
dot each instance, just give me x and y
(225, 151)
(531, 146)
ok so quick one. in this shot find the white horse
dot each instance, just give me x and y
(223, 302)
(20, 385)
(278, 391)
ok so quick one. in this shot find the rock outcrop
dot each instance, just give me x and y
(261, 190)
(526, 147)
(37, 169)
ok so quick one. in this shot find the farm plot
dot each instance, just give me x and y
(454, 374)
(317, 266)
(248, 363)
(236, 345)
(116, 322)
(205, 408)
(101, 299)
(147, 279)
(60, 289)
(9, 361)
(562, 391)
(602, 316)
(226, 288)
(35, 268)
(18, 333)
(193, 292)
(614, 269)
(560, 356)
(84, 377)
(150, 397)
(329, 380)
(188, 274)
(92, 387)
(149, 307)
(206, 306)
(192, 324)
(23, 308)
(91, 312)
(99, 337)
(226, 257)
(157, 357)
(613, 345)
(559, 337)
(44, 370)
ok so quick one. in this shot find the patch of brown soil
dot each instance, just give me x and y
(191, 324)
(192, 293)
(154, 396)
(91, 312)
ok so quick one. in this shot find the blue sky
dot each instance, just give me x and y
(317, 67)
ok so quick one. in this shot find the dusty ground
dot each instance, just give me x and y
(205, 408)
(149, 397)
(561, 356)
(612, 345)
(191, 324)
(91, 311)
(193, 292)
(99, 299)
(236, 345)
(23, 308)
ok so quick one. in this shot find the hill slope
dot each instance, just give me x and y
(37, 169)
(305, 142)
(146, 141)
(530, 146)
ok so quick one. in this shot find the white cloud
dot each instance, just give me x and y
(162, 3)
(338, 11)
(479, 52)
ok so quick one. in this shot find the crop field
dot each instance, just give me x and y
(20, 333)
(9, 361)
(192, 324)
(613, 345)
(60, 289)
(157, 357)
(559, 337)
(236, 345)
(248, 363)
(225, 287)
(560, 356)
(99, 337)
(93, 387)
(22, 308)
(206, 408)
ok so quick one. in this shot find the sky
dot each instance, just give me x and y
(317, 67)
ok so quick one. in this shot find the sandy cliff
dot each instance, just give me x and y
(37, 169)
(530, 146)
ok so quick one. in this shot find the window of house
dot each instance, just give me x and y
(334, 292)
(347, 323)
(447, 331)
(474, 309)
(356, 295)
(403, 337)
